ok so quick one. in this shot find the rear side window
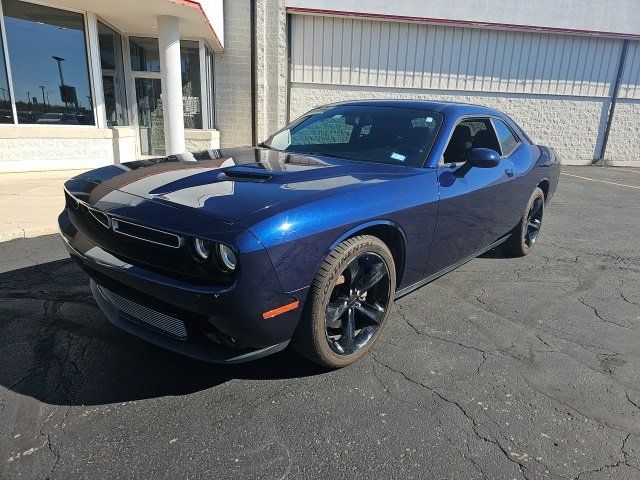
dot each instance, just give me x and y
(508, 141)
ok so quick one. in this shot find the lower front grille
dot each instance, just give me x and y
(152, 318)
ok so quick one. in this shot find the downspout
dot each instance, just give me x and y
(614, 99)
(254, 72)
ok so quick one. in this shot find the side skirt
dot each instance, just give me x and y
(431, 278)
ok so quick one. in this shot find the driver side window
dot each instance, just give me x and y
(470, 134)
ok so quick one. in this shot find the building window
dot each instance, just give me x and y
(191, 92)
(6, 112)
(145, 54)
(110, 43)
(49, 67)
(145, 57)
(210, 96)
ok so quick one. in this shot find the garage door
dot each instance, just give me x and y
(558, 87)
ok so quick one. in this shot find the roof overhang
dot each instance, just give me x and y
(198, 18)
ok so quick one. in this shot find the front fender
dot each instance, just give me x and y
(298, 240)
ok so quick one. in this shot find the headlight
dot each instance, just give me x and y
(202, 248)
(227, 257)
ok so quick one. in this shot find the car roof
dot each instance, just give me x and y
(455, 108)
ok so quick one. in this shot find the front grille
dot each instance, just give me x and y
(98, 216)
(146, 234)
(152, 318)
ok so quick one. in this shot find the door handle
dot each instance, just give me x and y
(509, 172)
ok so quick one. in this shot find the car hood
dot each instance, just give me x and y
(230, 184)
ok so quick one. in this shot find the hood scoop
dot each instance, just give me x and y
(244, 175)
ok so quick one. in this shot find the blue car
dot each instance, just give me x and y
(229, 255)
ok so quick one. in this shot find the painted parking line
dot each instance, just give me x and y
(600, 181)
(637, 170)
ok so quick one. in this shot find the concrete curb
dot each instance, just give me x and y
(29, 233)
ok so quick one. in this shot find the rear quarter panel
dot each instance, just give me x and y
(299, 239)
(545, 168)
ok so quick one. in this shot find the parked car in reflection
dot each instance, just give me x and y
(6, 116)
(228, 255)
(57, 118)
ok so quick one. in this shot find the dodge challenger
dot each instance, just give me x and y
(307, 239)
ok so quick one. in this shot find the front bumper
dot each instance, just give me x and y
(208, 353)
(223, 323)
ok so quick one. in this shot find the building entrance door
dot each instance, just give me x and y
(150, 122)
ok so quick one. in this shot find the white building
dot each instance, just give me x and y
(94, 82)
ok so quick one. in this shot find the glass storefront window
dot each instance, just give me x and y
(108, 40)
(210, 88)
(145, 54)
(191, 97)
(150, 116)
(110, 43)
(49, 66)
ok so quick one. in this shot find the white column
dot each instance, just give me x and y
(171, 78)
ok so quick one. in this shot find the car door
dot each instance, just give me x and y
(518, 155)
(474, 202)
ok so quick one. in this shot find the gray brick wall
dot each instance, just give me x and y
(271, 59)
(623, 147)
(233, 76)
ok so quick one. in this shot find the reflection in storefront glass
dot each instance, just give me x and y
(145, 54)
(48, 64)
(110, 43)
(190, 59)
(150, 117)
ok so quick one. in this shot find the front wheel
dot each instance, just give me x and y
(348, 303)
(524, 236)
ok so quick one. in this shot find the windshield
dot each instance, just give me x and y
(370, 133)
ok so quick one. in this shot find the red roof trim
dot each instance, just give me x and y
(197, 6)
(506, 26)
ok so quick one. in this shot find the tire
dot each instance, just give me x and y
(355, 263)
(525, 234)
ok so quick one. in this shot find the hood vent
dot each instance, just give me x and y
(244, 176)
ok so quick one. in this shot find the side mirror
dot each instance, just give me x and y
(483, 158)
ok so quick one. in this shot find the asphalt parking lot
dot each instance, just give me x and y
(504, 368)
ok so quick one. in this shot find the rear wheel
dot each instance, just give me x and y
(348, 303)
(524, 236)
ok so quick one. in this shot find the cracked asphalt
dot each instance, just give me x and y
(505, 368)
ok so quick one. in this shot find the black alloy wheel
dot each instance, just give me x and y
(348, 303)
(358, 303)
(523, 237)
(534, 222)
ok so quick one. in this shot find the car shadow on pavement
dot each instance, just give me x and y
(57, 347)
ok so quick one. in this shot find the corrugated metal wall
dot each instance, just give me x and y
(344, 51)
